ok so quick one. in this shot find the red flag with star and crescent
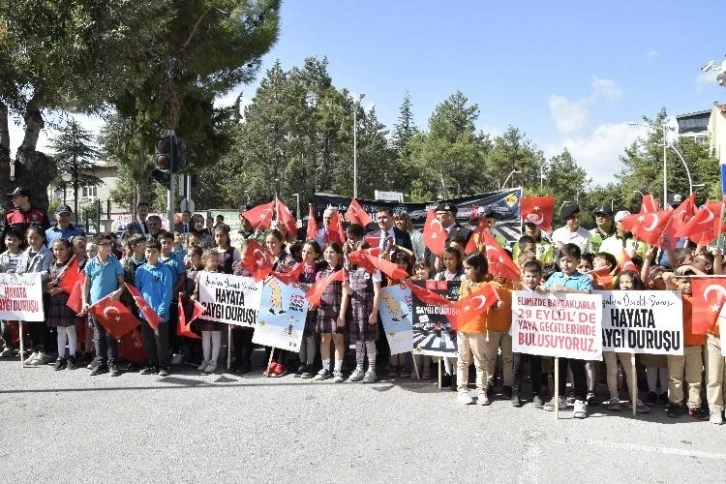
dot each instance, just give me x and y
(114, 316)
(260, 217)
(316, 290)
(475, 242)
(434, 235)
(648, 227)
(257, 260)
(681, 215)
(284, 215)
(183, 327)
(709, 296)
(648, 204)
(472, 306)
(312, 231)
(426, 295)
(500, 264)
(626, 264)
(338, 234)
(539, 211)
(705, 226)
(356, 214)
(149, 315)
(291, 276)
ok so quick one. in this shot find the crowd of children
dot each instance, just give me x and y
(167, 265)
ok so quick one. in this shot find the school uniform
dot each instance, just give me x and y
(361, 305)
(330, 303)
(685, 370)
(242, 335)
(60, 315)
(308, 277)
(499, 322)
(41, 339)
(535, 368)
(155, 283)
(103, 278)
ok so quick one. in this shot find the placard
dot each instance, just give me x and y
(396, 310)
(281, 318)
(567, 325)
(21, 297)
(229, 299)
(642, 322)
(432, 334)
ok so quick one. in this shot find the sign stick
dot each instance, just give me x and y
(269, 362)
(439, 362)
(634, 389)
(557, 388)
(229, 347)
(415, 366)
(22, 347)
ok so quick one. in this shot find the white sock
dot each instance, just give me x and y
(61, 342)
(72, 341)
(338, 365)
(326, 364)
(216, 344)
(206, 344)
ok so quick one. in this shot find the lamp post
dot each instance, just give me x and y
(541, 174)
(665, 154)
(66, 177)
(297, 209)
(501, 187)
(355, 143)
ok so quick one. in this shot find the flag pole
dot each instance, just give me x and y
(22, 347)
(557, 388)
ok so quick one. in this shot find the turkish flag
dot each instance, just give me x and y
(318, 287)
(705, 226)
(500, 264)
(285, 216)
(183, 328)
(114, 316)
(260, 217)
(74, 301)
(257, 260)
(372, 262)
(356, 214)
(709, 295)
(648, 227)
(602, 278)
(649, 204)
(360, 258)
(312, 232)
(472, 306)
(149, 315)
(290, 277)
(626, 264)
(539, 211)
(334, 232)
(475, 242)
(71, 280)
(681, 215)
(131, 347)
(425, 295)
(434, 235)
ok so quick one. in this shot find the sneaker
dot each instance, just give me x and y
(203, 366)
(507, 392)
(698, 413)
(580, 409)
(561, 404)
(464, 398)
(338, 376)
(651, 399)
(592, 400)
(148, 370)
(537, 401)
(613, 405)
(43, 359)
(165, 372)
(675, 410)
(664, 398)
(322, 375)
(307, 373)
(279, 371)
(6, 353)
(640, 407)
(113, 370)
(403, 372)
(570, 401)
(370, 376)
(60, 363)
(71, 363)
(30, 359)
(300, 370)
(357, 375)
(211, 368)
(176, 359)
(99, 369)
(93, 364)
(716, 418)
(270, 369)
(482, 398)
(516, 401)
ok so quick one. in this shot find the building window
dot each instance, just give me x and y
(701, 140)
(90, 191)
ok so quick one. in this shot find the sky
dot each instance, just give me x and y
(567, 73)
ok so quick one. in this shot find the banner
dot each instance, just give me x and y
(21, 297)
(505, 203)
(649, 322)
(568, 326)
(432, 334)
(396, 310)
(229, 299)
(281, 318)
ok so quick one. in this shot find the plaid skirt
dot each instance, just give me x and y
(327, 321)
(310, 322)
(358, 327)
(60, 315)
(207, 325)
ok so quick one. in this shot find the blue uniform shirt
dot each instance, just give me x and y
(577, 281)
(103, 277)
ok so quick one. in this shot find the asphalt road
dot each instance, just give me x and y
(70, 427)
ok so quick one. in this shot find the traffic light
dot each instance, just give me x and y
(162, 154)
(179, 160)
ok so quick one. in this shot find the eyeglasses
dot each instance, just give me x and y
(101, 244)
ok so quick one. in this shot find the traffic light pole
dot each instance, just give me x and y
(170, 194)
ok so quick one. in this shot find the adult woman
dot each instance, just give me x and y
(282, 261)
(199, 228)
(402, 221)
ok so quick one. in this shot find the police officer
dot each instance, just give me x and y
(22, 215)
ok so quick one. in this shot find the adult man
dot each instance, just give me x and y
(603, 230)
(388, 234)
(154, 225)
(328, 232)
(22, 215)
(184, 226)
(446, 214)
(622, 239)
(544, 249)
(63, 229)
(139, 226)
(572, 232)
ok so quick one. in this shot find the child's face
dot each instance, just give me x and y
(402, 264)
(331, 257)
(470, 272)
(91, 249)
(140, 249)
(220, 238)
(80, 250)
(449, 261)
(178, 239)
(584, 266)
(423, 272)
(531, 280)
(196, 260)
(626, 282)
(103, 247)
(193, 240)
(12, 243)
(212, 263)
(152, 255)
(684, 285)
(599, 263)
(167, 247)
(60, 252)
(528, 246)
(568, 264)
(500, 279)
(349, 235)
(308, 254)
(273, 245)
(34, 240)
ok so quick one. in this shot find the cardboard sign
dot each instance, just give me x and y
(229, 299)
(396, 310)
(432, 334)
(21, 297)
(281, 318)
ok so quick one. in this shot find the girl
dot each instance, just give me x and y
(397, 367)
(211, 330)
(311, 268)
(282, 261)
(37, 258)
(585, 266)
(363, 293)
(227, 255)
(422, 272)
(84, 330)
(242, 335)
(134, 248)
(61, 316)
(626, 281)
(330, 322)
(451, 261)
(470, 336)
(656, 366)
(498, 336)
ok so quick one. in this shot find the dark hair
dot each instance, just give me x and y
(277, 234)
(570, 250)
(458, 240)
(186, 211)
(195, 250)
(420, 264)
(479, 262)
(383, 208)
(401, 256)
(609, 258)
(706, 255)
(526, 239)
(335, 246)
(103, 237)
(14, 233)
(37, 229)
(355, 230)
(132, 240)
(153, 244)
(64, 242)
(680, 255)
(165, 235)
(637, 282)
(533, 267)
(143, 204)
(314, 244)
(587, 257)
(453, 251)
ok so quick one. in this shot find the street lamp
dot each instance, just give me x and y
(66, 177)
(688, 172)
(541, 173)
(665, 154)
(297, 209)
(355, 143)
(501, 187)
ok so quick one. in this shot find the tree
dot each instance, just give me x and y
(513, 151)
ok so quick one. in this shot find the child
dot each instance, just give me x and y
(331, 315)
(422, 272)
(211, 330)
(626, 281)
(8, 264)
(228, 255)
(179, 276)
(569, 280)
(281, 262)
(80, 245)
(135, 257)
(499, 323)
(689, 366)
(398, 366)
(104, 277)
(451, 261)
(37, 258)
(61, 316)
(311, 267)
(585, 266)
(470, 336)
(715, 381)
(531, 279)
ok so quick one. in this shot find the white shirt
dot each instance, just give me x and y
(580, 238)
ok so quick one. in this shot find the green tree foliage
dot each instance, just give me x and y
(74, 152)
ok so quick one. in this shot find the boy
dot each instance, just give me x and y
(498, 335)
(179, 277)
(531, 279)
(104, 277)
(569, 280)
(689, 366)
(9, 263)
(154, 281)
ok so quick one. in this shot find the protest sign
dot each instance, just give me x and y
(648, 322)
(395, 310)
(432, 334)
(281, 318)
(229, 299)
(568, 326)
(21, 297)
